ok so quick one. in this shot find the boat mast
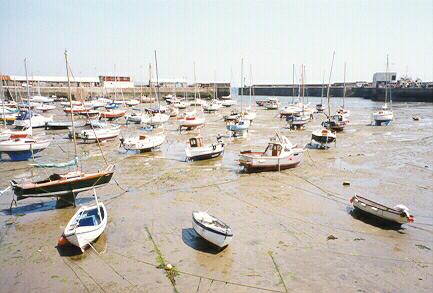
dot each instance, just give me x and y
(252, 86)
(2, 97)
(115, 83)
(386, 80)
(28, 94)
(329, 86)
(251, 83)
(323, 84)
(293, 83)
(70, 105)
(214, 86)
(157, 81)
(242, 79)
(344, 84)
(195, 89)
(303, 88)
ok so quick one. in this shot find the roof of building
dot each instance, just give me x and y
(54, 78)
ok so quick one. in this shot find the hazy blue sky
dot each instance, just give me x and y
(270, 35)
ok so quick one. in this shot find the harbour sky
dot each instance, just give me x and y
(269, 35)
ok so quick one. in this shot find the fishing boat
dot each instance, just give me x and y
(324, 136)
(142, 142)
(99, 132)
(398, 214)
(196, 150)
(212, 229)
(58, 185)
(280, 154)
(87, 224)
(37, 120)
(336, 122)
(112, 114)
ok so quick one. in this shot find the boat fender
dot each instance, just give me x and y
(63, 241)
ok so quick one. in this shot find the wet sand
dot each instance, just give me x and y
(282, 221)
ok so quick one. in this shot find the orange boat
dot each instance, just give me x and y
(113, 114)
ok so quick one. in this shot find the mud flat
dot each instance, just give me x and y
(294, 230)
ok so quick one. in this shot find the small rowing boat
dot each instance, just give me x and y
(398, 214)
(87, 224)
(212, 229)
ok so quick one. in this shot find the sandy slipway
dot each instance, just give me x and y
(293, 230)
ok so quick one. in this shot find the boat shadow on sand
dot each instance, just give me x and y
(374, 221)
(44, 206)
(195, 241)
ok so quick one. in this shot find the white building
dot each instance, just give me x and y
(52, 81)
(382, 77)
(170, 82)
(116, 82)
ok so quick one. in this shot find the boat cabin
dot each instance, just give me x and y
(196, 142)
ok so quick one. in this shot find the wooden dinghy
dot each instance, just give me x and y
(87, 224)
(62, 184)
(212, 229)
(399, 214)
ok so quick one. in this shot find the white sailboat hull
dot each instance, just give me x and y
(100, 133)
(23, 144)
(37, 122)
(148, 143)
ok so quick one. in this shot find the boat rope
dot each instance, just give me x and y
(76, 275)
(90, 277)
(111, 267)
(278, 270)
(201, 276)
